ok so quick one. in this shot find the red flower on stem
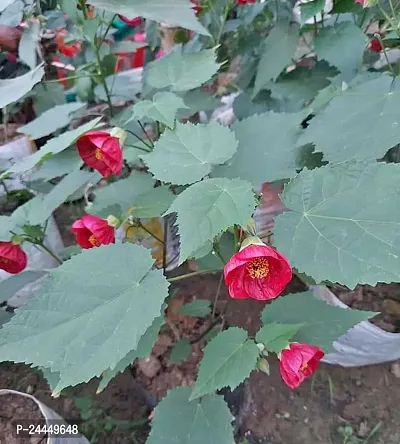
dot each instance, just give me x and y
(102, 151)
(298, 362)
(92, 231)
(257, 271)
(133, 23)
(68, 50)
(375, 45)
(13, 258)
(245, 2)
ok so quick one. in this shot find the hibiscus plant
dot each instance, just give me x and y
(315, 109)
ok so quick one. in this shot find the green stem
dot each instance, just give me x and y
(189, 275)
(217, 295)
(377, 36)
(140, 139)
(138, 148)
(50, 252)
(236, 238)
(149, 232)
(144, 130)
(103, 77)
(82, 4)
(68, 78)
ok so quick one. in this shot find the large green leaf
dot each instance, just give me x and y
(53, 146)
(51, 120)
(340, 130)
(228, 360)
(12, 90)
(173, 12)
(143, 350)
(162, 108)
(278, 52)
(89, 314)
(209, 207)
(187, 154)
(121, 195)
(198, 307)
(12, 14)
(182, 72)
(275, 337)
(267, 148)
(341, 45)
(323, 323)
(343, 224)
(7, 224)
(58, 165)
(9, 286)
(311, 9)
(5, 316)
(5, 3)
(153, 203)
(27, 48)
(180, 421)
(180, 351)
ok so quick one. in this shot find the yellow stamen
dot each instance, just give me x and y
(98, 154)
(4, 260)
(303, 367)
(258, 268)
(93, 240)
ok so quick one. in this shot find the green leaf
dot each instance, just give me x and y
(5, 4)
(266, 152)
(126, 46)
(12, 90)
(198, 307)
(143, 350)
(9, 286)
(311, 9)
(182, 72)
(197, 100)
(51, 120)
(228, 360)
(7, 224)
(276, 337)
(187, 154)
(343, 6)
(57, 166)
(209, 260)
(178, 420)
(27, 48)
(331, 41)
(180, 352)
(211, 206)
(121, 194)
(89, 314)
(278, 52)
(153, 203)
(173, 12)
(339, 131)
(12, 14)
(122, 88)
(5, 316)
(60, 193)
(162, 108)
(323, 323)
(346, 217)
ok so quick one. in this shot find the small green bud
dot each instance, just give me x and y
(113, 221)
(252, 240)
(263, 366)
(17, 239)
(119, 133)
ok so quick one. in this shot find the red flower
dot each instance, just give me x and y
(258, 272)
(69, 50)
(92, 231)
(375, 45)
(102, 151)
(196, 6)
(13, 258)
(298, 362)
(133, 23)
(245, 2)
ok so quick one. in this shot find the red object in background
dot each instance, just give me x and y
(133, 23)
(127, 60)
(92, 231)
(68, 50)
(160, 54)
(298, 362)
(101, 151)
(13, 258)
(196, 6)
(375, 45)
(245, 2)
(258, 272)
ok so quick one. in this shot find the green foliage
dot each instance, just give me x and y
(27, 48)
(323, 323)
(275, 337)
(9, 286)
(228, 360)
(188, 154)
(341, 45)
(96, 318)
(311, 9)
(180, 351)
(173, 12)
(339, 131)
(57, 165)
(211, 206)
(153, 203)
(278, 52)
(12, 14)
(176, 419)
(208, 260)
(51, 120)
(346, 218)
(162, 108)
(198, 307)
(182, 72)
(265, 152)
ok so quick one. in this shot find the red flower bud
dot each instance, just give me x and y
(375, 45)
(133, 23)
(101, 151)
(13, 258)
(298, 362)
(69, 50)
(92, 231)
(258, 272)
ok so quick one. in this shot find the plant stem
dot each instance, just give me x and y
(217, 295)
(103, 77)
(144, 130)
(206, 331)
(149, 232)
(164, 258)
(378, 36)
(140, 139)
(192, 274)
(138, 148)
(50, 252)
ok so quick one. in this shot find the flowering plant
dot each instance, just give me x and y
(311, 109)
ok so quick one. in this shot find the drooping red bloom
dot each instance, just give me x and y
(13, 258)
(133, 23)
(298, 362)
(245, 2)
(258, 272)
(69, 50)
(92, 231)
(375, 45)
(101, 151)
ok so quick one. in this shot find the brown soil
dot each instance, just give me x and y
(17, 410)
